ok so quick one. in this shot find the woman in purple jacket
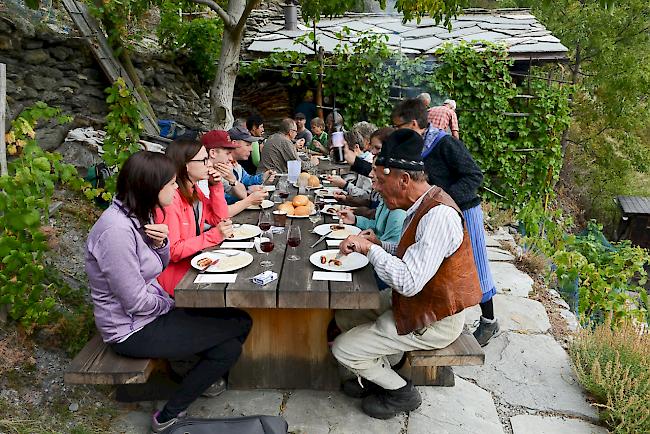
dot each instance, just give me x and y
(125, 253)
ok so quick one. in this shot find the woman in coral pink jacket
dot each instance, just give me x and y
(190, 209)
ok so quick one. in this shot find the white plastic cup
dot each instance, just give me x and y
(293, 169)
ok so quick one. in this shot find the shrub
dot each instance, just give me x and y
(614, 366)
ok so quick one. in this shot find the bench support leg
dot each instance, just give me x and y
(432, 376)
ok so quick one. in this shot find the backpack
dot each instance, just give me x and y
(98, 174)
(235, 425)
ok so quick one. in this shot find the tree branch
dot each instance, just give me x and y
(227, 19)
(250, 5)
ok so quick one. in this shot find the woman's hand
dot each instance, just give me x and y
(337, 181)
(269, 176)
(346, 216)
(225, 227)
(158, 234)
(256, 197)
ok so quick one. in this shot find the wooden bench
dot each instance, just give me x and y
(97, 363)
(433, 367)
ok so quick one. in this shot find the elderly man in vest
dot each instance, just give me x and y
(432, 274)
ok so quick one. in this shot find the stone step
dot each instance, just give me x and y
(509, 280)
(514, 314)
(529, 424)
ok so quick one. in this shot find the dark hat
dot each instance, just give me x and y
(402, 150)
(299, 116)
(218, 139)
(242, 133)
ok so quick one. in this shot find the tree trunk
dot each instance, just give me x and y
(574, 80)
(223, 86)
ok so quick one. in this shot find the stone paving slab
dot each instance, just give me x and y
(464, 408)
(321, 412)
(236, 403)
(514, 314)
(509, 280)
(531, 371)
(497, 254)
(529, 424)
(135, 422)
(490, 241)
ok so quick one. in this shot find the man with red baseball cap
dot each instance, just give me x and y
(220, 147)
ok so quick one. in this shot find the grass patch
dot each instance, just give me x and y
(614, 366)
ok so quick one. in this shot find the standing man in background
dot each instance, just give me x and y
(444, 117)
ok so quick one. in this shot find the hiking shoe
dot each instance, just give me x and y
(359, 387)
(216, 389)
(157, 427)
(485, 331)
(389, 403)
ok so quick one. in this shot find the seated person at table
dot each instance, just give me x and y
(366, 129)
(319, 142)
(255, 126)
(431, 272)
(358, 185)
(220, 152)
(302, 133)
(190, 208)
(243, 138)
(125, 254)
(279, 148)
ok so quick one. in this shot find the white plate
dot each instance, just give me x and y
(328, 191)
(329, 206)
(351, 262)
(245, 232)
(301, 216)
(265, 204)
(225, 263)
(340, 234)
(307, 187)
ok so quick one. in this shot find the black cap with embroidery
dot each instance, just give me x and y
(402, 150)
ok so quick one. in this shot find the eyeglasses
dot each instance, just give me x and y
(294, 130)
(401, 125)
(204, 160)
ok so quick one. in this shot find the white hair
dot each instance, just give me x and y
(451, 103)
(425, 98)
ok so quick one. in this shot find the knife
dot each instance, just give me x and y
(321, 238)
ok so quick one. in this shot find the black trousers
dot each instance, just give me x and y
(214, 335)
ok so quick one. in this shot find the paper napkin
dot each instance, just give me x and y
(215, 278)
(333, 276)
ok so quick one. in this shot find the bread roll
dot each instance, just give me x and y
(314, 181)
(304, 175)
(300, 200)
(286, 206)
(301, 210)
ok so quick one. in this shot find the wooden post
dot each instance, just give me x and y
(319, 88)
(3, 109)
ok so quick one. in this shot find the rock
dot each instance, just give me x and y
(134, 422)
(60, 53)
(322, 412)
(36, 57)
(49, 72)
(497, 254)
(32, 44)
(78, 154)
(509, 280)
(51, 137)
(560, 302)
(464, 408)
(234, 403)
(6, 43)
(73, 407)
(529, 424)
(490, 241)
(515, 314)
(571, 321)
(531, 371)
(41, 83)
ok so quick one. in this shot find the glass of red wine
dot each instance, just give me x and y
(265, 221)
(283, 189)
(293, 240)
(266, 245)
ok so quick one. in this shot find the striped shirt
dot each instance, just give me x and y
(438, 235)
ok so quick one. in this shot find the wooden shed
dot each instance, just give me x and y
(635, 222)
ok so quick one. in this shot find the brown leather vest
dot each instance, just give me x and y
(455, 285)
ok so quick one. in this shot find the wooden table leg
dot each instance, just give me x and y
(286, 349)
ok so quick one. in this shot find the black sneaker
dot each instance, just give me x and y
(485, 331)
(359, 387)
(389, 403)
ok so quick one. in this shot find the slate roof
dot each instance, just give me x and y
(634, 204)
(524, 35)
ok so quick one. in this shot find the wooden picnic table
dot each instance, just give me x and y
(287, 347)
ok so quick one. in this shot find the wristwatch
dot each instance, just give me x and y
(232, 183)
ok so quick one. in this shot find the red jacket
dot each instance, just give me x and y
(183, 241)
